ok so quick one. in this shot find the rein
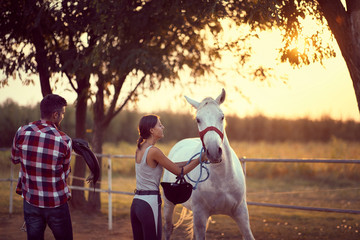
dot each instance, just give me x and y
(201, 168)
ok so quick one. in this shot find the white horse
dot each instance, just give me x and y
(224, 191)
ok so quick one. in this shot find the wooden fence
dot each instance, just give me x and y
(109, 190)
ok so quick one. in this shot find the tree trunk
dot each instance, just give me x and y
(94, 201)
(353, 62)
(78, 198)
(101, 123)
(345, 25)
(42, 62)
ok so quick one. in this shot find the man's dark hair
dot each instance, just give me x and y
(51, 103)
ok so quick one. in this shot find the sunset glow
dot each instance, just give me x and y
(312, 91)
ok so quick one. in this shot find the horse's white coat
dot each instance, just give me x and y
(224, 191)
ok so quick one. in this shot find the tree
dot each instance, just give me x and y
(73, 54)
(153, 42)
(287, 15)
(131, 46)
(24, 28)
(36, 38)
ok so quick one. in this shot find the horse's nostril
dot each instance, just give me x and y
(220, 150)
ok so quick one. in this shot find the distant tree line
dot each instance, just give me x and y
(179, 126)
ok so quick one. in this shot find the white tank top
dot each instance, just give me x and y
(147, 178)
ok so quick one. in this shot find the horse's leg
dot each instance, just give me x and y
(200, 217)
(168, 218)
(241, 216)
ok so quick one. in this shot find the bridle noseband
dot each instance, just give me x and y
(211, 128)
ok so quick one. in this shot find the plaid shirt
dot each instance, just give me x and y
(44, 153)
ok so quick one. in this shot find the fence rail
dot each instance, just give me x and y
(304, 160)
(243, 160)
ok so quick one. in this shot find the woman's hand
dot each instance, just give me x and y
(204, 157)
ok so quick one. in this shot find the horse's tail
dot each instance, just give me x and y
(186, 215)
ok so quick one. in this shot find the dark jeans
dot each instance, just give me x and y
(57, 218)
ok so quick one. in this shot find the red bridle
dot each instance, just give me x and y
(211, 128)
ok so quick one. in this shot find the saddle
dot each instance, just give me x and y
(82, 148)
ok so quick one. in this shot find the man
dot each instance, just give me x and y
(44, 153)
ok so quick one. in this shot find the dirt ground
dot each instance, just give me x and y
(85, 226)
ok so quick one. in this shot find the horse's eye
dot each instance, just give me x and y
(222, 118)
(198, 120)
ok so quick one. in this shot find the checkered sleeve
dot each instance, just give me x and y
(15, 151)
(66, 166)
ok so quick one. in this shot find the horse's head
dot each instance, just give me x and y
(210, 120)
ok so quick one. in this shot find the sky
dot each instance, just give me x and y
(314, 91)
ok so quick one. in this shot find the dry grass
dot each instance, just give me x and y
(336, 149)
(316, 185)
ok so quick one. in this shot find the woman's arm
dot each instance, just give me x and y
(181, 164)
(158, 156)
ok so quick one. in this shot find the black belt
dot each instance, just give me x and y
(147, 192)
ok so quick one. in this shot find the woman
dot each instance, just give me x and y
(149, 164)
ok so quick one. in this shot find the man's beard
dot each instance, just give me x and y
(58, 125)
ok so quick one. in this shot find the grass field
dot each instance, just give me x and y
(314, 185)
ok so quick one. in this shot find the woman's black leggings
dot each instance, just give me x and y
(143, 222)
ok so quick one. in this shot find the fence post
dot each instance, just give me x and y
(11, 189)
(109, 194)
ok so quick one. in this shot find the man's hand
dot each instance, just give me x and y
(90, 178)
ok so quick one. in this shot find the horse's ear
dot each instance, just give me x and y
(193, 103)
(221, 98)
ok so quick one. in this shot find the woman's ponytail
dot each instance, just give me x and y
(139, 141)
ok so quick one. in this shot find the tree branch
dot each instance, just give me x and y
(142, 80)
(117, 87)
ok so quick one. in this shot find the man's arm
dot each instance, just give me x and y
(15, 151)
(66, 165)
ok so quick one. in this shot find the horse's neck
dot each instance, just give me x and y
(227, 150)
